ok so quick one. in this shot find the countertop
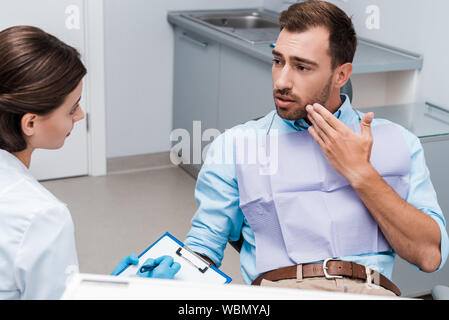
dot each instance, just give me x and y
(425, 120)
(370, 56)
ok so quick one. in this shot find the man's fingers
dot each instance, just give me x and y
(316, 137)
(332, 121)
(365, 124)
(320, 123)
(317, 129)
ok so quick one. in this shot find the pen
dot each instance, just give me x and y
(147, 268)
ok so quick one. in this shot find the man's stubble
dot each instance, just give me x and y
(300, 112)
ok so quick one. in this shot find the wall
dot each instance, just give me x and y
(139, 71)
(278, 5)
(421, 28)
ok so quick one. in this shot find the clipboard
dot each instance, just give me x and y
(193, 267)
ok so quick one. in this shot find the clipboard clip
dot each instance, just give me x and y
(194, 259)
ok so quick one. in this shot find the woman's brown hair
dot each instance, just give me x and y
(37, 73)
(314, 13)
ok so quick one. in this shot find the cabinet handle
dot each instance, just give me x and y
(202, 44)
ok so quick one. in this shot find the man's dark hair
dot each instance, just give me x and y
(300, 17)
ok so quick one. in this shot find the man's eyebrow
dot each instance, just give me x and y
(276, 53)
(297, 59)
(306, 61)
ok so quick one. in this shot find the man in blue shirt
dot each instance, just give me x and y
(346, 186)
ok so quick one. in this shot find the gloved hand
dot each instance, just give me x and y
(132, 259)
(165, 268)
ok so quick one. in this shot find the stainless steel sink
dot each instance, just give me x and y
(239, 21)
(251, 26)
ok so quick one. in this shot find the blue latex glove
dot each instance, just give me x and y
(164, 268)
(132, 259)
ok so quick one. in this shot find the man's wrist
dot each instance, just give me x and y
(363, 177)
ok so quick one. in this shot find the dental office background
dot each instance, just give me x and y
(128, 48)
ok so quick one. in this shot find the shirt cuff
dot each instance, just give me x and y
(444, 246)
(203, 247)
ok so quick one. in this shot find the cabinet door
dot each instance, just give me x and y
(195, 91)
(246, 88)
(63, 19)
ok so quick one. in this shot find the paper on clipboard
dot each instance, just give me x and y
(193, 267)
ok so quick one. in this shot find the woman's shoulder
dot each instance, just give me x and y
(25, 196)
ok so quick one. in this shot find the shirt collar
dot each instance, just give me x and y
(345, 114)
(12, 162)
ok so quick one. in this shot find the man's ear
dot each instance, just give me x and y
(29, 124)
(342, 74)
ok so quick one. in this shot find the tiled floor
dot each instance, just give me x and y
(123, 213)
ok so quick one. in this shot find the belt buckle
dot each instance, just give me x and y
(325, 267)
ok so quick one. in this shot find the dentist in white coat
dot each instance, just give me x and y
(40, 90)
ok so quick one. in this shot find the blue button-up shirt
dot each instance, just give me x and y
(219, 218)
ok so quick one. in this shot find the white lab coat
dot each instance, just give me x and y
(37, 241)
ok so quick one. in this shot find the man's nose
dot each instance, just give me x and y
(284, 79)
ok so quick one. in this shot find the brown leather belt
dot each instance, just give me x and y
(330, 269)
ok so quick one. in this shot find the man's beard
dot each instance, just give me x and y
(300, 112)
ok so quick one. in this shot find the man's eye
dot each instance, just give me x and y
(302, 68)
(276, 61)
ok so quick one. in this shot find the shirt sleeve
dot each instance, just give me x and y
(47, 255)
(421, 192)
(219, 217)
